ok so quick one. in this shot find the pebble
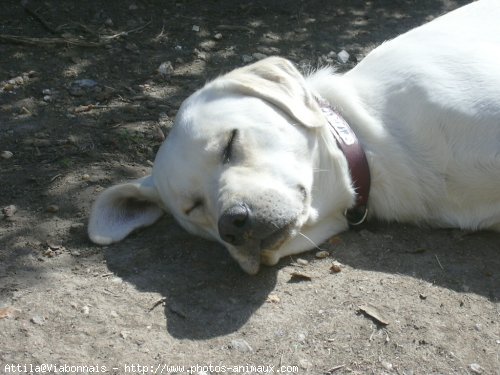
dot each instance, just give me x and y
(124, 334)
(387, 365)
(165, 69)
(85, 310)
(8, 87)
(85, 177)
(476, 368)
(195, 28)
(322, 254)
(6, 155)
(53, 208)
(335, 268)
(301, 337)
(302, 262)
(114, 314)
(246, 59)
(343, 56)
(46, 91)
(9, 211)
(258, 56)
(240, 345)
(304, 363)
(37, 319)
(218, 36)
(47, 98)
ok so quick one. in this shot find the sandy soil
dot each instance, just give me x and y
(161, 297)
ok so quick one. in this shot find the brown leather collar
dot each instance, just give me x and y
(356, 161)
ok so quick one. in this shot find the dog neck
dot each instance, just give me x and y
(356, 160)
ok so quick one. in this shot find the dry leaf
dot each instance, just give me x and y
(375, 313)
(8, 312)
(273, 298)
(335, 268)
(298, 276)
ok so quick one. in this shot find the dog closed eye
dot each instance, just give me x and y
(198, 203)
(228, 150)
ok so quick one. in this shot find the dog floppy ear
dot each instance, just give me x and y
(277, 81)
(123, 208)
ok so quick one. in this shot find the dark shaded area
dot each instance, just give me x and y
(112, 130)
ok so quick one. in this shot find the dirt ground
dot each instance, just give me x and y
(83, 106)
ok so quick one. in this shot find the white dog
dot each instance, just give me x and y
(262, 160)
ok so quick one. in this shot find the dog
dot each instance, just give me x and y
(271, 163)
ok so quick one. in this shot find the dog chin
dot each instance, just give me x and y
(264, 251)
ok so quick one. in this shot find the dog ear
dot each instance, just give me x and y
(123, 208)
(277, 81)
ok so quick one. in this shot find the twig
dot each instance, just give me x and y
(234, 28)
(440, 265)
(36, 16)
(157, 303)
(109, 37)
(47, 41)
(336, 368)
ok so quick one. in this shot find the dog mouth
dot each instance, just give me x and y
(276, 239)
(252, 254)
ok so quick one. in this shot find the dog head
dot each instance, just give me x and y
(237, 167)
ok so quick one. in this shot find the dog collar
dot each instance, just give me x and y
(356, 161)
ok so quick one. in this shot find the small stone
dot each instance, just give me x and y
(273, 298)
(478, 327)
(124, 334)
(335, 268)
(387, 365)
(8, 87)
(258, 56)
(47, 98)
(46, 91)
(301, 337)
(304, 363)
(247, 59)
(6, 155)
(85, 310)
(9, 312)
(133, 7)
(54, 244)
(195, 28)
(240, 345)
(114, 314)
(108, 22)
(218, 36)
(85, 177)
(19, 80)
(322, 254)
(302, 262)
(165, 69)
(343, 56)
(53, 208)
(476, 368)
(38, 320)
(9, 211)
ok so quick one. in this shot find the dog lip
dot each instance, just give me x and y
(276, 239)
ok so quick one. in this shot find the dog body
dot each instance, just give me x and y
(252, 162)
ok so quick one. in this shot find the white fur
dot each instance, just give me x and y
(425, 106)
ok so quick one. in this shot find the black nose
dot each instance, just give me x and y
(234, 223)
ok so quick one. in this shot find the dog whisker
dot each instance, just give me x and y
(311, 241)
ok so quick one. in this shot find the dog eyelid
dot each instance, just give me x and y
(197, 204)
(227, 153)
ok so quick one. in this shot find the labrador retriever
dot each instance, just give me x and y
(272, 163)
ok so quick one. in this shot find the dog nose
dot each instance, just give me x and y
(234, 224)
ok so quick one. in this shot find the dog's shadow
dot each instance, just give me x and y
(205, 293)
